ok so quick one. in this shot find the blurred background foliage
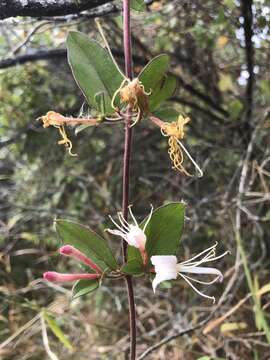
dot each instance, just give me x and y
(224, 87)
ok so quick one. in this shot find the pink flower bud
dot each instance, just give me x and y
(69, 250)
(57, 277)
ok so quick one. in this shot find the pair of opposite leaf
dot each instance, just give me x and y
(110, 93)
(165, 267)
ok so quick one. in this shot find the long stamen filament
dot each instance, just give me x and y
(201, 253)
(117, 92)
(199, 170)
(149, 218)
(208, 259)
(133, 217)
(125, 226)
(196, 290)
(210, 255)
(123, 219)
(119, 227)
(203, 282)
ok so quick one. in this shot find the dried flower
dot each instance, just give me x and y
(59, 121)
(134, 95)
(167, 268)
(175, 132)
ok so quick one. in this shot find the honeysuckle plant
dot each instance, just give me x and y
(149, 247)
(152, 245)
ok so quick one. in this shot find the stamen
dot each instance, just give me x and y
(199, 170)
(65, 139)
(149, 218)
(123, 222)
(117, 92)
(196, 290)
(119, 227)
(203, 282)
(201, 253)
(122, 217)
(138, 117)
(213, 258)
(131, 214)
(210, 255)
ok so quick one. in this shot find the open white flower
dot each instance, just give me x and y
(166, 268)
(131, 233)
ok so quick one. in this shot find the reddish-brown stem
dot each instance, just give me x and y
(126, 170)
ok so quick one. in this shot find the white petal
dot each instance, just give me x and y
(160, 277)
(136, 237)
(200, 270)
(165, 268)
(166, 260)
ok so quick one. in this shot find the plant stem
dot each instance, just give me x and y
(126, 175)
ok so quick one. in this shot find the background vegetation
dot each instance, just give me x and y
(220, 55)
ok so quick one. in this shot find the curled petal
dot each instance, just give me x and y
(69, 250)
(58, 277)
(200, 270)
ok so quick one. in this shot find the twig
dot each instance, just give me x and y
(38, 8)
(29, 36)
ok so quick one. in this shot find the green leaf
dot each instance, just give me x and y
(154, 72)
(138, 5)
(83, 287)
(101, 102)
(87, 241)
(133, 267)
(93, 69)
(163, 232)
(164, 90)
(155, 79)
(57, 330)
(134, 255)
(166, 114)
(165, 229)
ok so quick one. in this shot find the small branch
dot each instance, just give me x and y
(40, 8)
(49, 54)
(100, 11)
(32, 57)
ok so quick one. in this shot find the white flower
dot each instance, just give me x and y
(131, 233)
(166, 268)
